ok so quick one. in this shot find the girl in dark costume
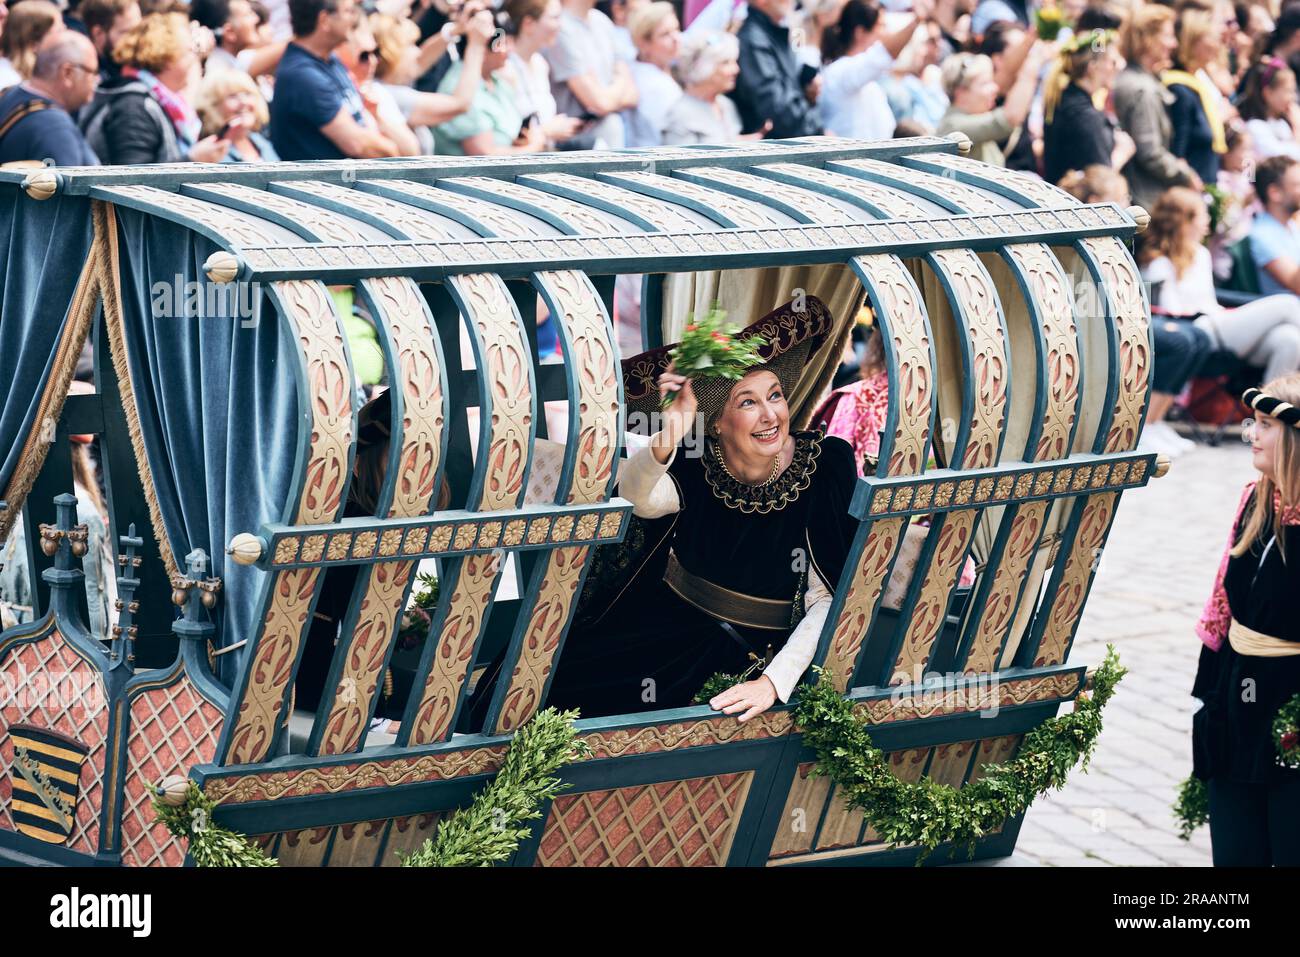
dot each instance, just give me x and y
(737, 545)
(1250, 665)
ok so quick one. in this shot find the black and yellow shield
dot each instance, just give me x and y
(46, 771)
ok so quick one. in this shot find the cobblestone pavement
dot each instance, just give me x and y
(1153, 580)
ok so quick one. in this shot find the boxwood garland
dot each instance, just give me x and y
(485, 832)
(926, 813)
(1192, 809)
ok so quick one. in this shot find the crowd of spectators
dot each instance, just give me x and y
(1188, 109)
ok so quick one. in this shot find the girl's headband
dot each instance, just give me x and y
(1269, 68)
(1267, 404)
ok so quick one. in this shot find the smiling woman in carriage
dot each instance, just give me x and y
(738, 542)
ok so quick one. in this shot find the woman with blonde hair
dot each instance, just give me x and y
(25, 29)
(1142, 106)
(398, 68)
(657, 36)
(145, 114)
(973, 92)
(1197, 113)
(1076, 133)
(1264, 332)
(1249, 667)
(231, 106)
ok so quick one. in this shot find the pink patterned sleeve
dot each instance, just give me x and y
(1212, 627)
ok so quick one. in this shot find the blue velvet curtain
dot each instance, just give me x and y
(216, 396)
(45, 246)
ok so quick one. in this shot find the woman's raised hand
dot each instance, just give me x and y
(684, 403)
(678, 417)
(748, 699)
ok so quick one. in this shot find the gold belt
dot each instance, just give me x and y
(1248, 641)
(733, 606)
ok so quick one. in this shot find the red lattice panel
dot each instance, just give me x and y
(172, 729)
(46, 684)
(670, 824)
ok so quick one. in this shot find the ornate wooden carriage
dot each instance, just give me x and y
(1016, 339)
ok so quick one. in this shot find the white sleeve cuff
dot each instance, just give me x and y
(645, 483)
(793, 660)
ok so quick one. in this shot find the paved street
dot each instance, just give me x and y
(1152, 583)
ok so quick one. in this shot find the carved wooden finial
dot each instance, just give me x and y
(41, 184)
(1162, 466)
(246, 548)
(222, 267)
(175, 788)
(1141, 217)
(962, 140)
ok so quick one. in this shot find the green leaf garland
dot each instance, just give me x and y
(490, 828)
(925, 812)
(487, 831)
(187, 813)
(1286, 733)
(1192, 809)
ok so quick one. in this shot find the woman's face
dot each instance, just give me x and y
(240, 103)
(1265, 440)
(545, 30)
(407, 68)
(724, 76)
(184, 72)
(660, 47)
(498, 52)
(1280, 94)
(1106, 68)
(978, 95)
(1206, 49)
(1163, 46)
(1200, 226)
(755, 422)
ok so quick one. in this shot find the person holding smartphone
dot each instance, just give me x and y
(494, 123)
(535, 25)
(231, 106)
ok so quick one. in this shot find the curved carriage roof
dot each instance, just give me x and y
(657, 210)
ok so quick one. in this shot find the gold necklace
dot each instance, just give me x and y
(776, 467)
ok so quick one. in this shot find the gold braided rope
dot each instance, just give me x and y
(30, 462)
(111, 293)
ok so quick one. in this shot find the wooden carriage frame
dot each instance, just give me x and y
(434, 246)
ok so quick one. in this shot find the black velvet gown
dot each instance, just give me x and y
(636, 645)
(1232, 738)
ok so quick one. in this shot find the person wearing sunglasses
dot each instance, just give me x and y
(361, 57)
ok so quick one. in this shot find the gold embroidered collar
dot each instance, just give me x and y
(770, 496)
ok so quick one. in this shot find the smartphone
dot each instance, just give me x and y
(224, 132)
